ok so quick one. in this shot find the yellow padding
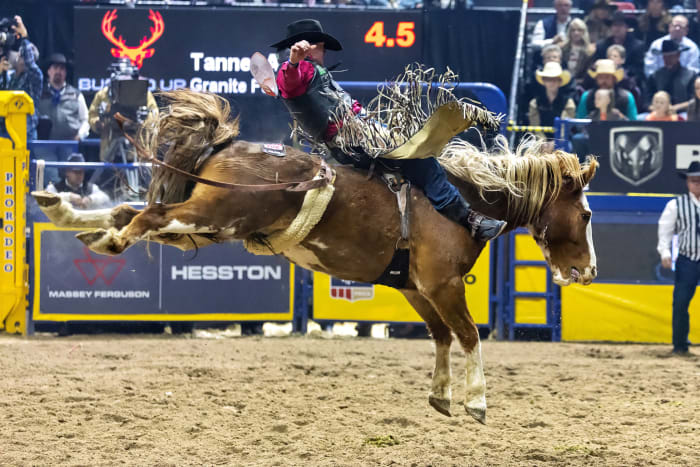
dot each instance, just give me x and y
(530, 310)
(387, 304)
(622, 312)
(530, 279)
(526, 249)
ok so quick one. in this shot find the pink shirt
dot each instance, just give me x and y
(293, 81)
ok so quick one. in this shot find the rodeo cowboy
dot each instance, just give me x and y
(312, 97)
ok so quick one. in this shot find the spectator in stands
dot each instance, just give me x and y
(604, 110)
(693, 114)
(673, 77)
(677, 31)
(633, 61)
(552, 29)
(75, 189)
(694, 25)
(63, 103)
(607, 76)
(661, 110)
(654, 23)
(679, 217)
(577, 51)
(618, 55)
(551, 53)
(550, 102)
(25, 74)
(598, 20)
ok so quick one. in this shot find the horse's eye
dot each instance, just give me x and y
(586, 216)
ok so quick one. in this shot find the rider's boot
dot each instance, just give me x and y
(481, 227)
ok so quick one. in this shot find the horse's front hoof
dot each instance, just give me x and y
(478, 413)
(91, 236)
(100, 241)
(45, 199)
(441, 405)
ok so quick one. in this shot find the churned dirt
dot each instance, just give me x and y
(163, 400)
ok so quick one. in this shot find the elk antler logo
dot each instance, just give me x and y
(135, 54)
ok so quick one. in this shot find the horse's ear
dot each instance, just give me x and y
(588, 171)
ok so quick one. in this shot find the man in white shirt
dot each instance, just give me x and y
(78, 191)
(677, 32)
(552, 29)
(681, 216)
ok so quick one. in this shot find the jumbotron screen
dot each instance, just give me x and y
(210, 49)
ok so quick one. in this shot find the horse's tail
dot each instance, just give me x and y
(182, 134)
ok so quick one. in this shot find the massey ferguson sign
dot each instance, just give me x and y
(218, 279)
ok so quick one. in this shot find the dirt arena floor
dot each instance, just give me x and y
(166, 400)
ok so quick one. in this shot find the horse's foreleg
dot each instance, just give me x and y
(441, 392)
(62, 214)
(154, 220)
(448, 299)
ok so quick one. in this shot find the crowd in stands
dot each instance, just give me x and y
(61, 114)
(613, 65)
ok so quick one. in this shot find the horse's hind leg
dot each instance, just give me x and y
(440, 393)
(448, 299)
(62, 214)
(156, 219)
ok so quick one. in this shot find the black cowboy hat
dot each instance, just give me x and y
(57, 59)
(309, 30)
(693, 170)
(669, 46)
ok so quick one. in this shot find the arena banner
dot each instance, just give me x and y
(209, 49)
(225, 278)
(155, 282)
(642, 157)
(340, 300)
(621, 313)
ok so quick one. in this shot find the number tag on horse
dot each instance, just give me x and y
(274, 149)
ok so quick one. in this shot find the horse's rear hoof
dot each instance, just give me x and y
(45, 199)
(478, 413)
(441, 405)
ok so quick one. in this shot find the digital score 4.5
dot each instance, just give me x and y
(405, 35)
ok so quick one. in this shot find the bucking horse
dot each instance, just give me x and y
(235, 190)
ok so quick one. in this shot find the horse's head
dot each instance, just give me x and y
(563, 230)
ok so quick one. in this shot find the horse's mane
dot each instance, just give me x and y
(184, 132)
(530, 178)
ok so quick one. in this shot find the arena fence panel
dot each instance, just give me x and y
(14, 166)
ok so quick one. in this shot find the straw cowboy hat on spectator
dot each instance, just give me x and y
(607, 67)
(553, 70)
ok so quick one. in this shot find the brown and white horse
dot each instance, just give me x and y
(356, 237)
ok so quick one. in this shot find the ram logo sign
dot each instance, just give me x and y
(636, 153)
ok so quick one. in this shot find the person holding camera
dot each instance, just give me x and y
(127, 94)
(24, 75)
